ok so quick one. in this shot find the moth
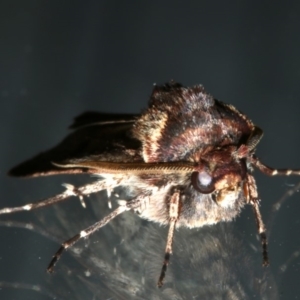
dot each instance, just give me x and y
(185, 161)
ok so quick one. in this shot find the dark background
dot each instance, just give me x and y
(60, 58)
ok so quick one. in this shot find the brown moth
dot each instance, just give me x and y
(185, 161)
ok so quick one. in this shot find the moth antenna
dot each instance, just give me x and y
(137, 168)
(254, 138)
(173, 214)
(271, 171)
(245, 149)
(70, 191)
(86, 232)
(105, 123)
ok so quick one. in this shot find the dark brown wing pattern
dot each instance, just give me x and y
(99, 135)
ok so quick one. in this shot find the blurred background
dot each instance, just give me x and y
(61, 58)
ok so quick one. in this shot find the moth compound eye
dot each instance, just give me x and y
(203, 182)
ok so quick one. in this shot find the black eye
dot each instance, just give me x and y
(203, 182)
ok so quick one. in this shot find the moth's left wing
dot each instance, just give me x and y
(100, 136)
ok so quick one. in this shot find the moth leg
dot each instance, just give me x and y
(173, 215)
(124, 206)
(271, 171)
(70, 191)
(254, 201)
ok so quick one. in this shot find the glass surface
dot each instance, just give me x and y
(59, 59)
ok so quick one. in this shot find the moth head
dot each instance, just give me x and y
(219, 173)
